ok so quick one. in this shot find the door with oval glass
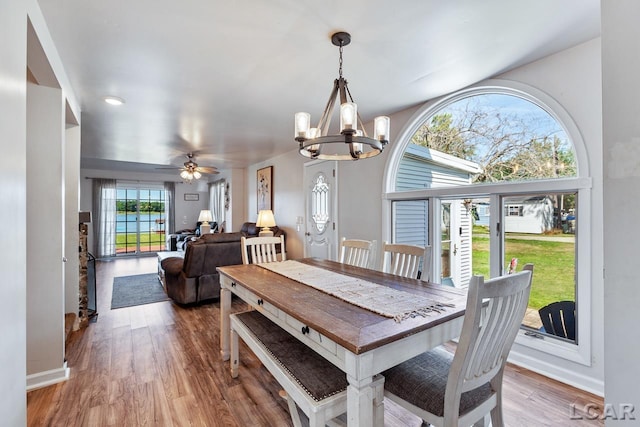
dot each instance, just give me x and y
(321, 210)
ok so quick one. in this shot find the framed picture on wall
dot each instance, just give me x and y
(191, 197)
(264, 186)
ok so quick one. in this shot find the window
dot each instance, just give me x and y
(497, 169)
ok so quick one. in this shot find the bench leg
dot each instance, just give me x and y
(235, 354)
(225, 309)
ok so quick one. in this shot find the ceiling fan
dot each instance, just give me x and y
(191, 170)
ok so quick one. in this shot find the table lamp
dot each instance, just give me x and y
(266, 220)
(204, 217)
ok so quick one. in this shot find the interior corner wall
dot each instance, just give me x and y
(44, 236)
(288, 196)
(13, 191)
(621, 163)
(71, 209)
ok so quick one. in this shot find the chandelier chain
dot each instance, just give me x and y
(340, 62)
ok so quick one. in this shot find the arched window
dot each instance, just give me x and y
(494, 177)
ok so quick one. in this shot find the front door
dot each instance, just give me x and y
(320, 211)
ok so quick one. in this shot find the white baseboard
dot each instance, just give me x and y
(47, 378)
(558, 373)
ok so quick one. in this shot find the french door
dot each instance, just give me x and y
(140, 219)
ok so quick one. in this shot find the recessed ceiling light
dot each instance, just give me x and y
(113, 100)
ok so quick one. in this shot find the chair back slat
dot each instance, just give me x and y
(406, 260)
(357, 252)
(494, 312)
(262, 249)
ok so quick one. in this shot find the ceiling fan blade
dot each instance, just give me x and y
(207, 169)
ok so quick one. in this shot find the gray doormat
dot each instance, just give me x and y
(137, 290)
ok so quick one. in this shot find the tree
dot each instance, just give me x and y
(508, 144)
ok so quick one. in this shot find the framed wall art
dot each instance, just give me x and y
(264, 186)
(191, 197)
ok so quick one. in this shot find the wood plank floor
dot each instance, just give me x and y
(159, 364)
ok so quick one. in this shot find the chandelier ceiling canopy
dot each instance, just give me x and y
(352, 143)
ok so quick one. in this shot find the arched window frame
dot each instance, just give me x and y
(579, 352)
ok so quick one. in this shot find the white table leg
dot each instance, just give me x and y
(225, 310)
(360, 403)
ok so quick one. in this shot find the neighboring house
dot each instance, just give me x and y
(533, 215)
(422, 167)
(528, 215)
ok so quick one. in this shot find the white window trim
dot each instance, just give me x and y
(580, 352)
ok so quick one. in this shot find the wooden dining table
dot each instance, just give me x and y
(360, 342)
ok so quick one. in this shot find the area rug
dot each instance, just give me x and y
(137, 290)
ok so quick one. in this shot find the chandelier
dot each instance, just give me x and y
(314, 141)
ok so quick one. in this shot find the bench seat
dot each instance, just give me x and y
(313, 385)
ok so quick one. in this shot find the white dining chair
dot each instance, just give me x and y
(448, 390)
(359, 253)
(258, 250)
(406, 260)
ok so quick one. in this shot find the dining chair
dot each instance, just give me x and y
(359, 253)
(448, 390)
(559, 319)
(258, 250)
(406, 260)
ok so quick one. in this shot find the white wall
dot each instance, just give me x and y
(71, 209)
(13, 182)
(573, 79)
(288, 197)
(621, 147)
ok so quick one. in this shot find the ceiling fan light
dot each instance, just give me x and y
(197, 175)
(184, 174)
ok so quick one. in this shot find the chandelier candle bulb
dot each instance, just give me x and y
(348, 116)
(303, 123)
(314, 133)
(381, 125)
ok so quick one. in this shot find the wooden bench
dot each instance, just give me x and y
(313, 385)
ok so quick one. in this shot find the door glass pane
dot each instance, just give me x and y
(540, 229)
(464, 240)
(445, 243)
(320, 203)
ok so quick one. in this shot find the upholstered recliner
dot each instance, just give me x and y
(195, 277)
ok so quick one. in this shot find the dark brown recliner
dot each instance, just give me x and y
(194, 278)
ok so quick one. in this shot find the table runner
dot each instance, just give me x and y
(374, 297)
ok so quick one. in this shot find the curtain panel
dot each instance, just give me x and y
(104, 211)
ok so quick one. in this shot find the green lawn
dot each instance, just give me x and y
(126, 242)
(553, 277)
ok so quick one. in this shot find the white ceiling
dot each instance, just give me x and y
(224, 78)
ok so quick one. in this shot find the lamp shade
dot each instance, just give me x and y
(205, 216)
(266, 219)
